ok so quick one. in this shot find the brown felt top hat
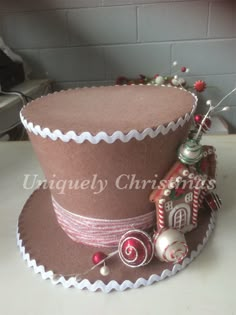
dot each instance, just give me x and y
(102, 150)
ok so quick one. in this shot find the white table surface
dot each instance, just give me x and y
(206, 286)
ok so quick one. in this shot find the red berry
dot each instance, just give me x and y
(130, 82)
(206, 125)
(143, 77)
(198, 119)
(156, 76)
(98, 257)
(200, 86)
(121, 80)
(183, 69)
(208, 122)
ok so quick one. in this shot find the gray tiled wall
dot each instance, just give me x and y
(91, 42)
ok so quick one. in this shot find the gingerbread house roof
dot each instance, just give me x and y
(203, 170)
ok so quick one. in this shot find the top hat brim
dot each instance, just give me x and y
(46, 248)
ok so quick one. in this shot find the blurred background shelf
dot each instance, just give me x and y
(10, 106)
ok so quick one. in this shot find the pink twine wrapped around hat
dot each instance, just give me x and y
(99, 232)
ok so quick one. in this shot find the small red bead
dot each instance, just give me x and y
(98, 257)
(183, 69)
(156, 76)
(198, 119)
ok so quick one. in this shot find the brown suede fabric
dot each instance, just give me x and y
(109, 108)
(47, 243)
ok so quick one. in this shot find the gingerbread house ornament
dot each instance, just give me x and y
(180, 194)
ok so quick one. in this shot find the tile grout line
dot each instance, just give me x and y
(113, 45)
(171, 58)
(67, 29)
(208, 19)
(105, 71)
(137, 25)
(99, 5)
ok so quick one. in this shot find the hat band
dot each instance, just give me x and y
(99, 232)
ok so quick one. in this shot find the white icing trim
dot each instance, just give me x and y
(114, 285)
(102, 135)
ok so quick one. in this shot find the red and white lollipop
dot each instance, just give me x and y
(170, 245)
(136, 248)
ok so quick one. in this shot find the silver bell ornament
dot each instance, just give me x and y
(190, 152)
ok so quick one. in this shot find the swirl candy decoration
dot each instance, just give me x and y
(136, 248)
(170, 246)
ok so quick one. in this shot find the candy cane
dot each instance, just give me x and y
(195, 205)
(161, 213)
(202, 196)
